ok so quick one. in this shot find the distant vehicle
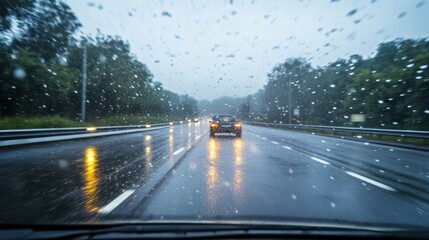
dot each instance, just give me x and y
(225, 124)
(196, 119)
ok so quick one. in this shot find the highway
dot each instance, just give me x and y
(180, 173)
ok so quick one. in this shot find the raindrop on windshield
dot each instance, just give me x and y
(19, 73)
(351, 13)
(166, 14)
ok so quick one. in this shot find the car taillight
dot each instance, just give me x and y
(213, 125)
(237, 125)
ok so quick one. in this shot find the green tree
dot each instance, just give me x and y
(48, 29)
(13, 9)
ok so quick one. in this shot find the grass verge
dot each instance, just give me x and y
(22, 122)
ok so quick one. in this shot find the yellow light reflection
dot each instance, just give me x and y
(91, 180)
(188, 142)
(170, 146)
(238, 162)
(212, 178)
(213, 151)
(212, 172)
(91, 129)
(148, 152)
(197, 130)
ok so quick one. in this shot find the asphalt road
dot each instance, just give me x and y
(179, 172)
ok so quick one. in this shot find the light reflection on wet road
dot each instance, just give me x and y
(266, 174)
(91, 180)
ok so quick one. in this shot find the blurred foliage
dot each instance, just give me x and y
(391, 89)
(47, 30)
(10, 9)
(41, 72)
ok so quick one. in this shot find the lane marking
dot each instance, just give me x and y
(257, 135)
(276, 143)
(178, 151)
(197, 137)
(263, 138)
(320, 160)
(373, 182)
(287, 147)
(112, 205)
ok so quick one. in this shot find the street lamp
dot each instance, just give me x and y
(290, 101)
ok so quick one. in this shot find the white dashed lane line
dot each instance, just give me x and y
(112, 205)
(263, 138)
(320, 160)
(276, 143)
(178, 151)
(370, 181)
(287, 147)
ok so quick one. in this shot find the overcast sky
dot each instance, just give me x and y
(208, 49)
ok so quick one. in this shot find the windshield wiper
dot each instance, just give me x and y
(197, 231)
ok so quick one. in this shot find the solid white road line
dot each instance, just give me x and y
(109, 207)
(320, 160)
(276, 143)
(287, 147)
(373, 182)
(178, 151)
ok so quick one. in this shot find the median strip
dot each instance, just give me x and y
(370, 181)
(112, 205)
(72, 137)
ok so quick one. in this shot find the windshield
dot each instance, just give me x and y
(226, 118)
(280, 112)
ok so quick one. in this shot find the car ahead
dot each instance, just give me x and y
(225, 124)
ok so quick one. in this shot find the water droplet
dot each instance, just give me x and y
(19, 73)
(351, 13)
(102, 58)
(62, 61)
(402, 14)
(166, 14)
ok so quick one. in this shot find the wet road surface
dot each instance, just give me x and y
(179, 172)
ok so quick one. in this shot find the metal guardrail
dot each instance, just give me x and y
(48, 132)
(376, 131)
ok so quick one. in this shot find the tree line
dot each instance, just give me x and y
(41, 69)
(390, 90)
